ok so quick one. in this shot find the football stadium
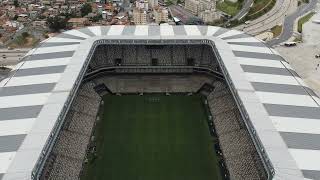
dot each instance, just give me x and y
(157, 102)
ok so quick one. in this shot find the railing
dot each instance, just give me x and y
(53, 136)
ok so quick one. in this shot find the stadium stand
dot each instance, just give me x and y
(179, 55)
(69, 151)
(235, 143)
(165, 55)
(130, 55)
(153, 83)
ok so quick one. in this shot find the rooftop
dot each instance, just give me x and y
(282, 110)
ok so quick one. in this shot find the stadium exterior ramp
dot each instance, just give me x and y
(281, 112)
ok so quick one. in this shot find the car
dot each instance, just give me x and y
(289, 44)
(317, 56)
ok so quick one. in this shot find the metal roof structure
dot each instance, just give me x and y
(283, 111)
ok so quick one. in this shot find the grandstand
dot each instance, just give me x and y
(263, 115)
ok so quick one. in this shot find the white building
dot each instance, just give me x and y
(104, 14)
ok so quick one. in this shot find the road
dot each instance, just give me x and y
(12, 57)
(275, 16)
(244, 10)
(288, 24)
(181, 13)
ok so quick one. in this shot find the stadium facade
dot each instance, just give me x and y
(280, 111)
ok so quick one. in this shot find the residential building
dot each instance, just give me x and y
(142, 4)
(208, 16)
(160, 15)
(139, 16)
(153, 3)
(60, 1)
(78, 22)
(206, 5)
(197, 6)
(192, 6)
(46, 2)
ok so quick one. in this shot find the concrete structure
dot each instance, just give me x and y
(139, 16)
(160, 15)
(153, 3)
(46, 2)
(197, 6)
(208, 16)
(104, 14)
(303, 59)
(192, 6)
(275, 16)
(142, 4)
(206, 5)
(78, 22)
(233, 1)
(60, 1)
(281, 112)
(311, 29)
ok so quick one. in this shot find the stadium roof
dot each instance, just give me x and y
(283, 110)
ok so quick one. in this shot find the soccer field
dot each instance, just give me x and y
(153, 137)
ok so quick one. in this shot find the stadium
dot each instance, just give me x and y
(157, 102)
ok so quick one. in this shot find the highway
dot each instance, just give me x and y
(288, 24)
(244, 10)
(275, 16)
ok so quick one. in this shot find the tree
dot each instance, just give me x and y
(169, 3)
(96, 18)
(69, 15)
(86, 9)
(25, 34)
(16, 3)
(56, 23)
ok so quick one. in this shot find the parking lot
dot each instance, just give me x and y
(302, 59)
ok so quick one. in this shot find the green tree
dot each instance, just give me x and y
(169, 3)
(86, 9)
(16, 3)
(96, 18)
(56, 23)
(25, 34)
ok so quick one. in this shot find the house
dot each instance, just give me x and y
(78, 22)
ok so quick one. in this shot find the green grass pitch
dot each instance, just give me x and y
(153, 137)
